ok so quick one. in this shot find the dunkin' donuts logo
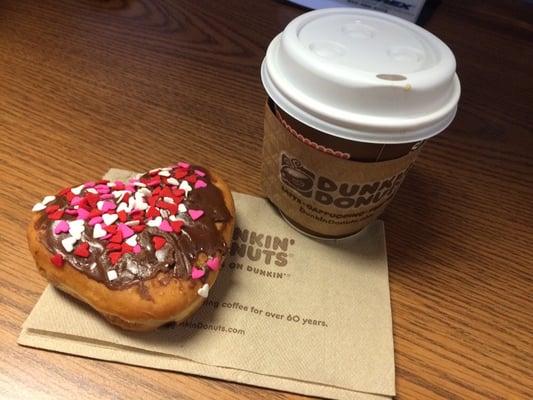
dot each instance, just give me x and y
(256, 246)
(344, 195)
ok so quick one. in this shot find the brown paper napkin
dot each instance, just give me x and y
(287, 312)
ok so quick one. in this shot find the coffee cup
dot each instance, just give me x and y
(352, 96)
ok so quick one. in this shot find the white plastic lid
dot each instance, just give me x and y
(362, 75)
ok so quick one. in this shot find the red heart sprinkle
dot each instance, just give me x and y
(95, 212)
(63, 191)
(57, 260)
(101, 182)
(178, 192)
(56, 215)
(119, 185)
(178, 199)
(176, 226)
(156, 191)
(116, 238)
(126, 248)
(165, 192)
(152, 213)
(191, 178)
(122, 216)
(111, 228)
(69, 196)
(92, 199)
(126, 197)
(158, 242)
(82, 250)
(115, 256)
(52, 208)
(138, 228)
(180, 173)
(114, 247)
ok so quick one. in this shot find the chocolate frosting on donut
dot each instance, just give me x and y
(178, 254)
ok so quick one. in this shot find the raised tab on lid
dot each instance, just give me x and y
(362, 75)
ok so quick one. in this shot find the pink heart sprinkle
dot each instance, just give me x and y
(154, 181)
(137, 249)
(200, 184)
(125, 230)
(195, 214)
(106, 196)
(89, 184)
(102, 189)
(71, 211)
(165, 226)
(95, 220)
(83, 213)
(108, 205)
(197, 273)
(61, 227)
(119, 183)
(213, 263)
(75, 201)
(199, 173)
(130, 188)
(184, 165)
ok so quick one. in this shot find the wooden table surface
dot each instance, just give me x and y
(89, 85)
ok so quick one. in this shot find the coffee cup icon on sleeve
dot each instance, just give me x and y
(296, 176)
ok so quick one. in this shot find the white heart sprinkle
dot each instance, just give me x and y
(112, 275)
(182, 208)
(164, 173)
(175, 218)
(154, 223)
(204, 291)
(119, 193)
(173, 181)
(164, 213)
(145, 192)
(38, 207)
(153, 171)
(92, 190)
(168, 200)
(133, 222)
(76, 228)
(48, 199)
(184, 185)
(98, 231)
(131, 241)
(131, 203)
(160, 255)
(166, 169)
(123, 207)
(139, 184)
(68, 243)
(110, 218)
(141, 205)
(77, 190)
(100, 204)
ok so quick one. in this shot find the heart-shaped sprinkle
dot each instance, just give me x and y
(138, 228)
(106, 206)
(173, 181)
(176, 226)
(158, 242)
(200, 184)
(109, 218)
(76, 200)
(106, 196)
(83, 214)
(82, 250)
(48, 199)
(114, 257)
(191, 178)
(56, 215)
(123, 206)
(154, 223)
(213, 263)
(112, 274)
(184, 165)
(102, 189)
(164, 173)
(204, 291)
(57, 260)
(89, 184)
(184, 185)
(182, 208)
(126, 248)
(136, 249)
(38, 207)
(197, 273)
(165, 226)
(116, 238)
(110, 228)
(91, 190)
(140, 204)
(114, 246)
(51, 209)
(99, 232)
(195, 214)
(68, 243)
(77, 190)
(125, 230)
(76, 228)
(61, 227)
(95, 220)
(122, 216)
(132, 222)
(71, 211)
(199, 173)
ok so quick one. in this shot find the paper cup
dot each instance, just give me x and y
(353, 95)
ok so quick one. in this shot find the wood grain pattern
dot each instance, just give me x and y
(167, 80)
